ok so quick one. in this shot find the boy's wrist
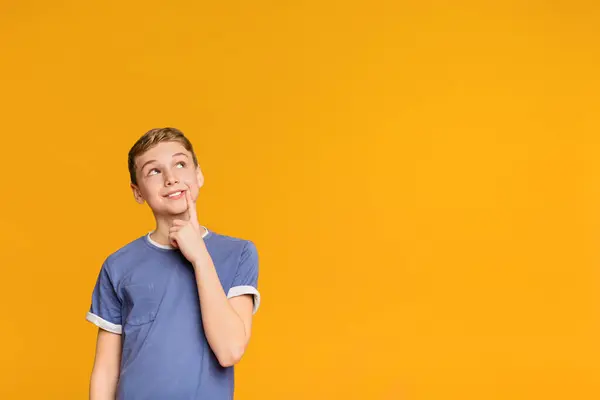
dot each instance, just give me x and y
(203, 257)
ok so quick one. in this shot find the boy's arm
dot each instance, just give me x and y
(105, 373)
(226, 322)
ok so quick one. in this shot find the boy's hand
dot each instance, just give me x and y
(187, 235)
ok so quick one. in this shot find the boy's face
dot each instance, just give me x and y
(163, 174)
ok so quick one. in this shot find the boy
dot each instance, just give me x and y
(174, 307)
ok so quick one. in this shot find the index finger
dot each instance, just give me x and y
(191, 204)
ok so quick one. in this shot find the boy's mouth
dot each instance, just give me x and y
(175, 195)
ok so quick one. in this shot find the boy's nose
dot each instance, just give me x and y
(171, 180)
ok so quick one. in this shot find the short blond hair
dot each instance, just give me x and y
(151, 139)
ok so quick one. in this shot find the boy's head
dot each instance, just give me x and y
(162, 166)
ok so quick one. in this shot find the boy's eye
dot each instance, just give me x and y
(154, 171)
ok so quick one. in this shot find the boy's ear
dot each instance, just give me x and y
(137, 194)
(200, 177)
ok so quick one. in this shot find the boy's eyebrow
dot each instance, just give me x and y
(146, 163)
(151, 161)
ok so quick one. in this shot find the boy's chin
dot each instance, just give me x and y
(170, 211)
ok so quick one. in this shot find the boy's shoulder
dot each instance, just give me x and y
(223, 246)
(223, 238)
(223, 242)
(129, 252)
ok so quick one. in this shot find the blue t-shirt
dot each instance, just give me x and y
(147, 292)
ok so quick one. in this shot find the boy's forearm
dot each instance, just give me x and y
(103, 385)
(224, 329)
(105, 372)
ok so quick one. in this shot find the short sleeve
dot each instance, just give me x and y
(246, 276)
(105, 310)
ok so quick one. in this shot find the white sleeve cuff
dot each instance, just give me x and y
(241, 290)
(104, 324)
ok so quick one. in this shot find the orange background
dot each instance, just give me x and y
(421, 180)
